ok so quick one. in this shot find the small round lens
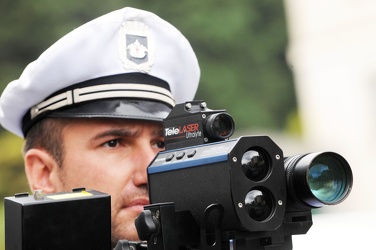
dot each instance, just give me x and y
(255, 165)
(327, 179)
(220, 126)
(259, 204)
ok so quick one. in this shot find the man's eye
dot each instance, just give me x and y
(160, 144)
(112, 143)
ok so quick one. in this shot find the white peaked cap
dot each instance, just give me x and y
(128, 64)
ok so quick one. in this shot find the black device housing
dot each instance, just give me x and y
(218, 179)
(221, 185)
(72, 221)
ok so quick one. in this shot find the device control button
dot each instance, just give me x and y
(78, 189)
(170, 157)
(180, 155)
(19, 195)
(191, 153)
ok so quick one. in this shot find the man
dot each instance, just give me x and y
(90, 108)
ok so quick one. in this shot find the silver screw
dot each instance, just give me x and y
(280, 202)
(278, 157)
(234, 159)
(203, 116)
(240, 204)
(203, 105)
(188, 105)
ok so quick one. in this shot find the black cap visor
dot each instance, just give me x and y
(128, 96)
(117, 108)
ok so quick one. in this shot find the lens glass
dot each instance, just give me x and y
(255, 164)
(327, 179)
(222, 125)
(259, 204)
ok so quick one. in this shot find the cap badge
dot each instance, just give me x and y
(136, 46)
(136, 50)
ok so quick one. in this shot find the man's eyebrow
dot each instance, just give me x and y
(158, 132)
(115, 132)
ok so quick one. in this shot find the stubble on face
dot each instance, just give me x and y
(123, 217)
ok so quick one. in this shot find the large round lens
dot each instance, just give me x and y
(255, 165)
(318, 179)
(220, 126)
(259, 204)
(327, 179)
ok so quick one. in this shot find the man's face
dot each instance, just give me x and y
(111, 156)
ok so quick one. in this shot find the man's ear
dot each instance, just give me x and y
(42, 171)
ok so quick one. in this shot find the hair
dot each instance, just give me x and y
(47, 134)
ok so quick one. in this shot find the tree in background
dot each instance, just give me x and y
(240, 46)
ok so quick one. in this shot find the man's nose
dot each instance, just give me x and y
(143, 159)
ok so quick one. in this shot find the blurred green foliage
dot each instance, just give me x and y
(240, 46)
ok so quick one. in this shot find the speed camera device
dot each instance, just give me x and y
(211, 192)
